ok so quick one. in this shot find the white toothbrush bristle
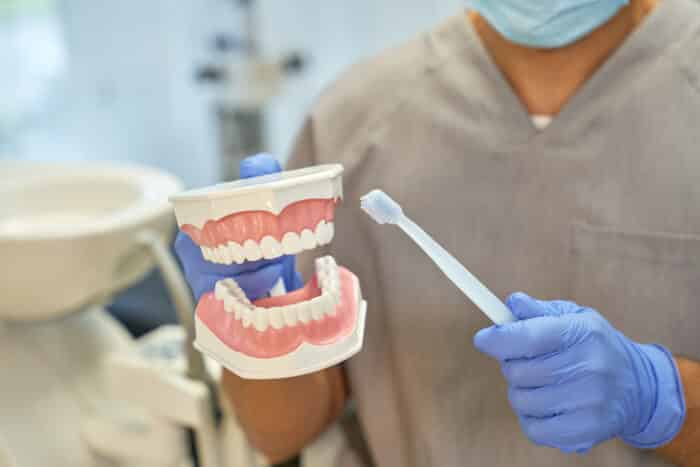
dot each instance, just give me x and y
(381, 207)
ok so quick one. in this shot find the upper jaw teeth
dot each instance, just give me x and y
(269, 247)
(236, 302)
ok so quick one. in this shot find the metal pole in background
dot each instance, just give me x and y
(247, 82)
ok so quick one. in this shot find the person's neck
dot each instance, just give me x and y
(546, 79)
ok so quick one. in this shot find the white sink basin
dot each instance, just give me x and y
(68, 232)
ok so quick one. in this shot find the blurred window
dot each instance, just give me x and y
(33, 61)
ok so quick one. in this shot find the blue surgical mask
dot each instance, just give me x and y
(546, 24)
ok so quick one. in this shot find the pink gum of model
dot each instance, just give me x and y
(254, 225)
(277, 342)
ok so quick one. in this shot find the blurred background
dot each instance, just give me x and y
(185, 87)
(136, 81)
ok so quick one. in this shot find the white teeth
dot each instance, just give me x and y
(231, 253)
(317, 306)
(237, 252)
(290, 315)
(235, 301)
(220, 291)
(231, 287)
(247, 315)
(229, 304)
(252, 250)
(291, 243)
(320, 233)
(328, 278)
(276, 318)
(333, 284)
(308, 240)
(261, 320)
(214, 252)
(324, 233)
(335, 296)
(332, 308)
(221, 254)
(304, 314)
(331, 231)
(271, 248)
(225, 254)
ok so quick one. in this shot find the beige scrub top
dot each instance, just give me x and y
(602, 207)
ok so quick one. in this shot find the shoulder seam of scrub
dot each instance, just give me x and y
(690, 68)
(431, 54)
(377, 115)
(378, 120)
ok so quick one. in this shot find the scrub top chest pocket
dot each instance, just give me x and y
(646, 284)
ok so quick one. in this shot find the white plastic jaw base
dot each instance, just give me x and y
(271, 193)
(306, 359)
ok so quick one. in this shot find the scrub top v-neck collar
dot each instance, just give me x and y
(596, 99)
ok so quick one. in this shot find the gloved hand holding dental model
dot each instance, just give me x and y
(237, 245)
(256, 278)
(575, 381)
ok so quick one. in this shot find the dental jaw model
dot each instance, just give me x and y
(265, 218)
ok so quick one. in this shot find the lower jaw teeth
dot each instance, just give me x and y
(316, 309)
(269, 247)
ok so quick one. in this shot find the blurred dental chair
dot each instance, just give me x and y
(76, 389)
(72, 235)
(149, 294)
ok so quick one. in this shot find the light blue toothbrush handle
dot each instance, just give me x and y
(477, 292)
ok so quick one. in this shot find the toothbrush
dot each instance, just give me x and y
(384, 210)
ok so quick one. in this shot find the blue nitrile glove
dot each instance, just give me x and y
(256, 278)
(575, 381)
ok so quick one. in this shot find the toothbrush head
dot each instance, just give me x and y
(381, 207)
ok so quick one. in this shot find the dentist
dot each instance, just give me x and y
(551, 145)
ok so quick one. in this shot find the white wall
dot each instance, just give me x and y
(130, 90)
(335, 34)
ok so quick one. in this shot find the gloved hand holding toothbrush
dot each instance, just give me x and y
(575, 381)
